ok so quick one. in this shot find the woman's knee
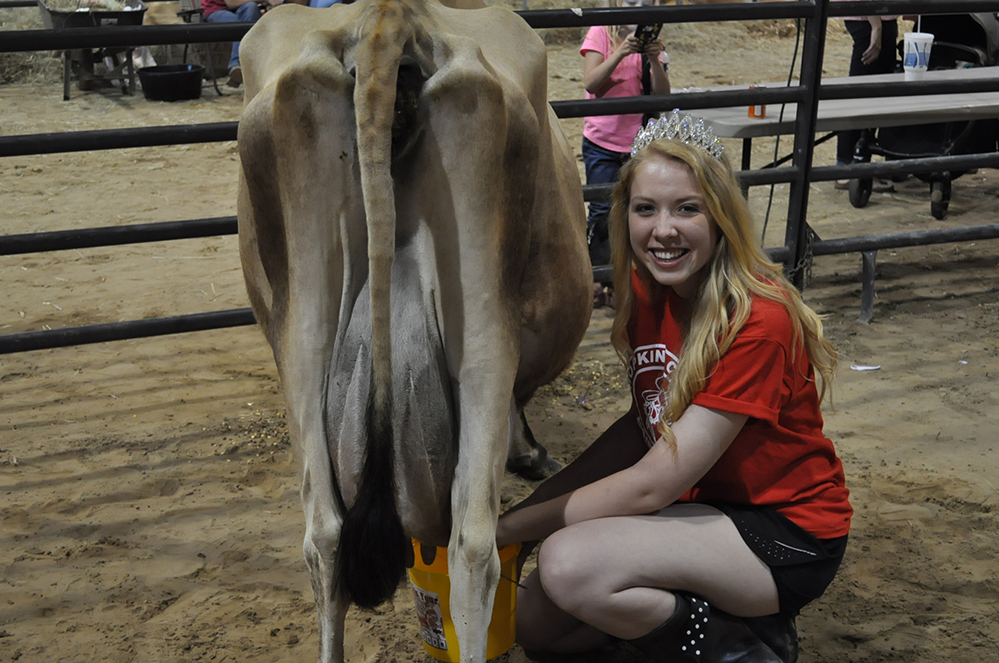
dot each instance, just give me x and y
(566, 572)
(248, 12)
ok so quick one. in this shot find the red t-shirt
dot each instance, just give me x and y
(780, 458)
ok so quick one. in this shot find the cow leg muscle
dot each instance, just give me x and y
(315, 135)
(479, 233)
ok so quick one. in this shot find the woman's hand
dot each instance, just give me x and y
(531, 523)
(654, 49)
(504, 538)
(657, 69)
(629, 45)
(539, 515)
(873, 50)
(504, 534)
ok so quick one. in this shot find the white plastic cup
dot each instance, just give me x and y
(916, 54)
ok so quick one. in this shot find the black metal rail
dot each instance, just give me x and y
(88, 238)
(120, 331)
(116, 139)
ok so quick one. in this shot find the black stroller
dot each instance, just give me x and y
(960, 40)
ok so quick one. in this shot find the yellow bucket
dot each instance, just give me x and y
(432, 593)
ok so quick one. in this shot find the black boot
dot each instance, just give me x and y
(698, 634)
(778, 633)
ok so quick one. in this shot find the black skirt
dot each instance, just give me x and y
(802, 565)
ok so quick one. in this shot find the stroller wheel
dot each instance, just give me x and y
(939, 198)
(860, 192)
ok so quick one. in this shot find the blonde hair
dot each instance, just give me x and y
(737, 270)
(614, 31)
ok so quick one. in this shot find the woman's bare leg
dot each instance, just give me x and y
(616, 575)
(559, 631)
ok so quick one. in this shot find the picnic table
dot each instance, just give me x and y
(844, 114)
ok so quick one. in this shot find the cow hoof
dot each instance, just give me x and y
(534, 466)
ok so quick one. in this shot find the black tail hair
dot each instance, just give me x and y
(371, 557)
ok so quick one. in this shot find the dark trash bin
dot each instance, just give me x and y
(172, 82)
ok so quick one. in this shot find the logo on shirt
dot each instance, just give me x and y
(649, 371)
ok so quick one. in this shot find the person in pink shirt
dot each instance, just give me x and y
(613, 60)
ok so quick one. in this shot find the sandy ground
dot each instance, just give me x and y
(148, 497)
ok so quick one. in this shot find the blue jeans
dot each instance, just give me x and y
(248, 13)
(602, 166)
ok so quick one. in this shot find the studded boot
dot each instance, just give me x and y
(696, 633)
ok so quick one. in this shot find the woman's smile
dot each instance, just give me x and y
(669, 256)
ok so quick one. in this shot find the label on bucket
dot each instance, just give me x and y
(428, 611)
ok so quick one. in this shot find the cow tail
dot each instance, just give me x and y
(372, 554)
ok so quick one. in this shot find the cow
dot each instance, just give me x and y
(411, 233)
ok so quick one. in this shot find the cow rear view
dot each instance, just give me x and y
(412, 237)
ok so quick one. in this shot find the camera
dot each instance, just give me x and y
(646, 34)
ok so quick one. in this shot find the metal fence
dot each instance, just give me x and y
(798, 245)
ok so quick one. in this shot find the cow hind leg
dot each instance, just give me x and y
(527, 458)
(306, 286)
(331, 607)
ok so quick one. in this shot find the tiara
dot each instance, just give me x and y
(684, 128)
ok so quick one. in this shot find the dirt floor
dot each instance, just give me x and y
(148, 497)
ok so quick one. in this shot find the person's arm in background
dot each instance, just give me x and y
(874, 49)
(658, 69)
(597, 70)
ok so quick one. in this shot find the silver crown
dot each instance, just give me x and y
(684, 128)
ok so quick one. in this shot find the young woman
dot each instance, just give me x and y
(613, 63)
(701, 522)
